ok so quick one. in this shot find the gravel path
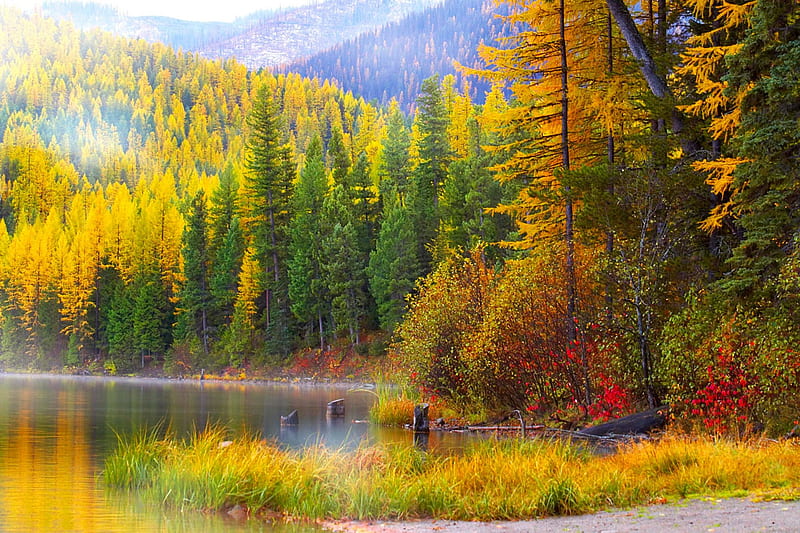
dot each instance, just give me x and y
(737, 515)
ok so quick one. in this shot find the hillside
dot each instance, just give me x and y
(393, 61)
(263, 39)
(133, 203)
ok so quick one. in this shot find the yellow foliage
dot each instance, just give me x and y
(600, 105)
(705, 61)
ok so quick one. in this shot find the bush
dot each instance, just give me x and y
(498, 340)
(732, 371)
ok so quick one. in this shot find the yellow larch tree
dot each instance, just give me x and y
(30, 273)
(704, 61)
(82, 259)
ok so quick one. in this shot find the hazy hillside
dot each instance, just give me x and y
(393, 61)
(262, 39)
(305, 31)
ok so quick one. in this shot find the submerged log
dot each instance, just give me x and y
(336, 408)
(290, 420)
(635, 424)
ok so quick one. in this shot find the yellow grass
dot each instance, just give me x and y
(496, 479)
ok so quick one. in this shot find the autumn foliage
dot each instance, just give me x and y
(476, 335)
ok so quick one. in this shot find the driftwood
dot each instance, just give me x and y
(607, 435)
(635, 424)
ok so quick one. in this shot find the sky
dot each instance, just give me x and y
(196, 10)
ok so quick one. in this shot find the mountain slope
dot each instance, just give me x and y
(304, 31)
(263, 39)
(392, 62)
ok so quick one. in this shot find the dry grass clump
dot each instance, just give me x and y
(495, 479)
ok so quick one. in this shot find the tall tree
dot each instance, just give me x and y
(393, 266)
(434, 158)
(764, 78)
(338, 157)
(195, 294)
(267, 192)
(550, 62)
(396, 166)
(307, 291)
(345, 264)
(226, 246)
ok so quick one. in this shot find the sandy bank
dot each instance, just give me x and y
(736, 515)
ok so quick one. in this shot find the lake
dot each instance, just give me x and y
(55, 432)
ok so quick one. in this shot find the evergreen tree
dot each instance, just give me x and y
(396, 165)
(151, 318)
(365, 206)
(338, 157)
(226, 247)
(307, 292)
(393, 267)
(195, 294)
(267, 193)
(764, 74)
(345, 264)
(430, 174)
(118, 320)
(468, 192)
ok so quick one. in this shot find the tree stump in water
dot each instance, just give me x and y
(336, 408)
(290, 420)
(421, 423)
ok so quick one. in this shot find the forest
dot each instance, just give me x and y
(392, 62)
(613, 227)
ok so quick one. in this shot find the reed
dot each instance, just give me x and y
(136, 459)
(495, 479)
(393, 405)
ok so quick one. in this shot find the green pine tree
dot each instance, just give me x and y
(393, 267)
(195, 294)
(434, 158)
(768, 138)
(309, 301)
(396, 165)
(267, 192)
(345, 265)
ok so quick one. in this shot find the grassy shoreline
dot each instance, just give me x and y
(495, 479)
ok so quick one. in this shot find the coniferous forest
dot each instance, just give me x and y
(614, 226)
(393, 61)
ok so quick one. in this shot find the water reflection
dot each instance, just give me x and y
(56, 431)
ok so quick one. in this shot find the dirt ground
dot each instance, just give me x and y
(737, 515)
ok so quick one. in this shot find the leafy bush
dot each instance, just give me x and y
(498, 340)
(732, 370)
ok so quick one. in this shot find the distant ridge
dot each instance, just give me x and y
(392, 62)
(378, 49)
(262, 39)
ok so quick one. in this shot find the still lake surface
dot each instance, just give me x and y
(56, 431)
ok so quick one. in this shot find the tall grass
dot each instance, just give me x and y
(495, 479)
(394, 405)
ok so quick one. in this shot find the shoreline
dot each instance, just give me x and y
(736, 515)
(304, 381)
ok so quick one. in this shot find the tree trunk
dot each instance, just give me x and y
(569, 230)
(321, 332)
(656, 83)
(610, 148)
(644, 354)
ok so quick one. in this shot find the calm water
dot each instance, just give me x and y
(56, 431)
